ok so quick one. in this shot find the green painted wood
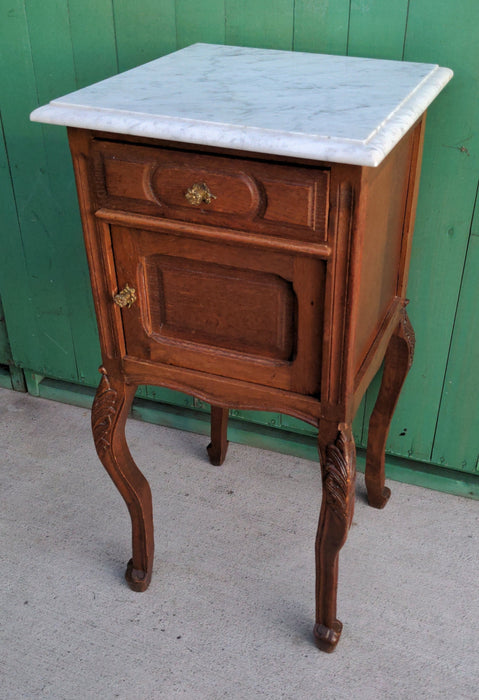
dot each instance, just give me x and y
(267, 24)
(33, 381)
(52, 47)
(5, 381)
(165, 396)
(26, 272)
(197, 21)
(54, 66)
(57, 390)
(9, 236)
(92, 32)
(11, 377)
(457, 433)
(144, 30)
(377, 28)
(321, 26)
(267, 418)
(5, 355)
(446, 201)
(429, 476)
(17, 378)
(298, 426)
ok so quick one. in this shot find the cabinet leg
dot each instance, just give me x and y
(338, 467)
(109, 413)
(397, 362)
(219, 444)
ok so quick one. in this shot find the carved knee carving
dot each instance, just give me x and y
(103, 414)
(339, 477)
(338, 472)
(109, 413)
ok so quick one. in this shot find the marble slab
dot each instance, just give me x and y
(328, 108)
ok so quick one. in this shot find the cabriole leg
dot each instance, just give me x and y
(397, 362)
(219, 443)
(109, 413)
(338, 467)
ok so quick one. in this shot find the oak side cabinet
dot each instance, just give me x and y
(248, 217)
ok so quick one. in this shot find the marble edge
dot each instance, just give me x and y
(408, 111)
(252, 139)
(369, 152)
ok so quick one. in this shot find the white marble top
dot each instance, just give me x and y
(330, 108)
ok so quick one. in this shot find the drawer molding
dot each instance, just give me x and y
(250, 240)
(281, 200)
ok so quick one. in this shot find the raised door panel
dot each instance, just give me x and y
(223, 309)
(217, 305)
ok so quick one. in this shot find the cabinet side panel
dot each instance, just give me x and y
(382, 241)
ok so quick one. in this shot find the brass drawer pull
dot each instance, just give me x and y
(126, 297)
(199, 193)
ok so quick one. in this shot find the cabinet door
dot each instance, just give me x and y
(224, 309)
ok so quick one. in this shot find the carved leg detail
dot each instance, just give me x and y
(397, 362)
(109, 413)
(338, 466)
(219, 444)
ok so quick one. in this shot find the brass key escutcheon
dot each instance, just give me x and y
(125, 298)
(199, 193)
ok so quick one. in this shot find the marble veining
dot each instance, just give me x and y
(330, 108)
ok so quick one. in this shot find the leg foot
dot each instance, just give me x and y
(326, 638)
(397, 362)
(219, 444)
(379, 500)
(109, 413)
(338, 467)
(137, 580)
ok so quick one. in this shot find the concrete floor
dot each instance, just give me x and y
(229, 611)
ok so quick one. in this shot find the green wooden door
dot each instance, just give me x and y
(52, 47)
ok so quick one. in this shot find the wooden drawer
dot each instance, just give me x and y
(246, 194)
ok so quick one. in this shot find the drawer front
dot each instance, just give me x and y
(225, 310)
(249, 195)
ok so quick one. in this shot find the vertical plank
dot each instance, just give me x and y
(92, 32)
(321, 26)
(457, 435)
(446, 198)
(377, 28)
(268, 24)
(34, 248)
(197, 21)
(14, 281)
(5, 356)
(53, 61)
(144, 31)
(50, 42)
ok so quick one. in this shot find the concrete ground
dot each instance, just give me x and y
(229, 611)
